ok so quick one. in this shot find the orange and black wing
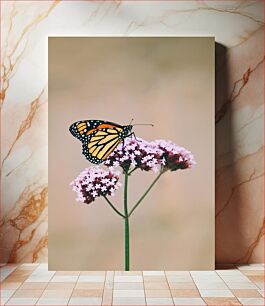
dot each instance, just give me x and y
(99, 138)
(101, 143)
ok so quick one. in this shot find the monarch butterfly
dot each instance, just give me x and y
(99, 137)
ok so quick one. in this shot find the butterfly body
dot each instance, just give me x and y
(99, 137)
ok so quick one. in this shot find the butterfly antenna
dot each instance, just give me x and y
(148, 124)
(131, 121)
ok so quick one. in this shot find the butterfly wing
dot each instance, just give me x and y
(81, 129)
(99, 138)
(101, 143)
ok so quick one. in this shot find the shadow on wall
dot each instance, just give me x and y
(222, 136)
(225, 147)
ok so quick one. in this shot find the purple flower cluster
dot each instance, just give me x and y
(138, 153)
(154, 156)
(94, 182)
(159, 155)
(174, 157)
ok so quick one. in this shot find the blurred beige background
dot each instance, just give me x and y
(167, 81)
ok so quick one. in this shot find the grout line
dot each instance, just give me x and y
(106, 273)
(74, 287)
(11, 271)
(169, 288)
(70, 296)
(234, 289)
(217, 289)
(145, 298)
(113, 274)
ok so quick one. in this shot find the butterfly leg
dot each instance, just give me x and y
(133, 134)
(123, 143)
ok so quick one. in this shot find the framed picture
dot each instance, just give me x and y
(131, 153)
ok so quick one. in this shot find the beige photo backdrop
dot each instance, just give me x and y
(167, 81)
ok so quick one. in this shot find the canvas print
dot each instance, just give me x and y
(118, 196)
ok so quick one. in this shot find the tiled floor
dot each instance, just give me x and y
(33, 284)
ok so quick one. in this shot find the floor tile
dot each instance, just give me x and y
(109, 280)
(128, 293)
(128, 273)
(109, 284)
(156, 285)
(41, 270)
(109, 275)
(251, 267)
(260, 285)
(22, 301)
(39, 278)
(107, 297)
(159, 301)
(16, 278)
(53, 301)
(128, 279)
(255, 278)
(129, 286)
(185, 293)
(91, 278)
(235, 278)
(28, 293)
(10, 285)
(60, 286)
(87, 293)
(216, 293)
(179, 273)
(253, 272)
(155, 278)
(85, 301)
(246, 293)
(179, 278)
(97, 273)
(44, 266)
(229, 272)
(64, 279)
(182, 286)
(206, 278)
(211, 285)
(157, 293)
(22, 271)
(251, 301)
(67, 273)
(3, 300)
(89, 285)
(151, 273)
(188, 301)
(203, 273)
(56, 294)
(215, 301)
(28, 286)
(29, 266)
(261, 292)
(242, 285)
(6, 271)
(6, 293)
(128, 301)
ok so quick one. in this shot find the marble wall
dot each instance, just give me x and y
(238, 27)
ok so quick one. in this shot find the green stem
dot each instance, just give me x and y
(130, 172)
(126, 220)
(113, 207)
(145, 194)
